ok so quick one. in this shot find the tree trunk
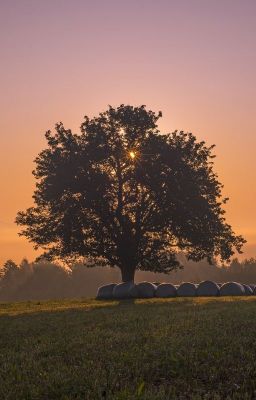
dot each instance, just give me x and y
(127, 274)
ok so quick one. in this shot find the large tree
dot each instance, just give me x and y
(122, 193)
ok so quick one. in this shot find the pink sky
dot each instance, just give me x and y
(195, 60)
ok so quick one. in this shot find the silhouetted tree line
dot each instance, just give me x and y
(44, 280)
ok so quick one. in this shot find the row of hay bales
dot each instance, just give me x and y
(165, 290)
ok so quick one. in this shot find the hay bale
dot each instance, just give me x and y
(208, 288)
(187, 289)
(146, 290)
(247, 289)
(125, 290)
(232, 289)
(166, 290)
(105, 292)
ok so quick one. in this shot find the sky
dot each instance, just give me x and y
(195, 60)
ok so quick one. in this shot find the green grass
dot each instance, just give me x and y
(152, 349)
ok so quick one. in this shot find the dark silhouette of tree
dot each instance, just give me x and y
(9, 268)
(44, 280)
(10, 277)
(121, 193)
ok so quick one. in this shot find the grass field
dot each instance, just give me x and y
(152, 349)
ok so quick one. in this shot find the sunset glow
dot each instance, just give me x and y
(132, 155)
(193, 60)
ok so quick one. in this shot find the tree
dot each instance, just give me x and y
(9, 269)
(9, 277)
(120, 193)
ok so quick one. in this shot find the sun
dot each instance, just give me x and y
(132, 155)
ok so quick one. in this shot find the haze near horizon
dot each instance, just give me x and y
(193, 60)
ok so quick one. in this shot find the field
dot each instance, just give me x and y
(151, 349)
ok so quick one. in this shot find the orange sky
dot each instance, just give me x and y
(195, 60)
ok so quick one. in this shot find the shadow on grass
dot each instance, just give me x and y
(89, 305)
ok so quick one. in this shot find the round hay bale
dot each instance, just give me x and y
(166, 290)
(247, 289)
(232, 289)
(146, 290)
(105, 292)
(125, 290)
(208, 288)
(186, 289)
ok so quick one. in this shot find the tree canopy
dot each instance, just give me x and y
(122, 193)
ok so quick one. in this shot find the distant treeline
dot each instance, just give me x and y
(38, 281)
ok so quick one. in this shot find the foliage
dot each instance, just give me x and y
(122, 194)
(150, 350)
(8, 267)
(8, 271)
(41, 281)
